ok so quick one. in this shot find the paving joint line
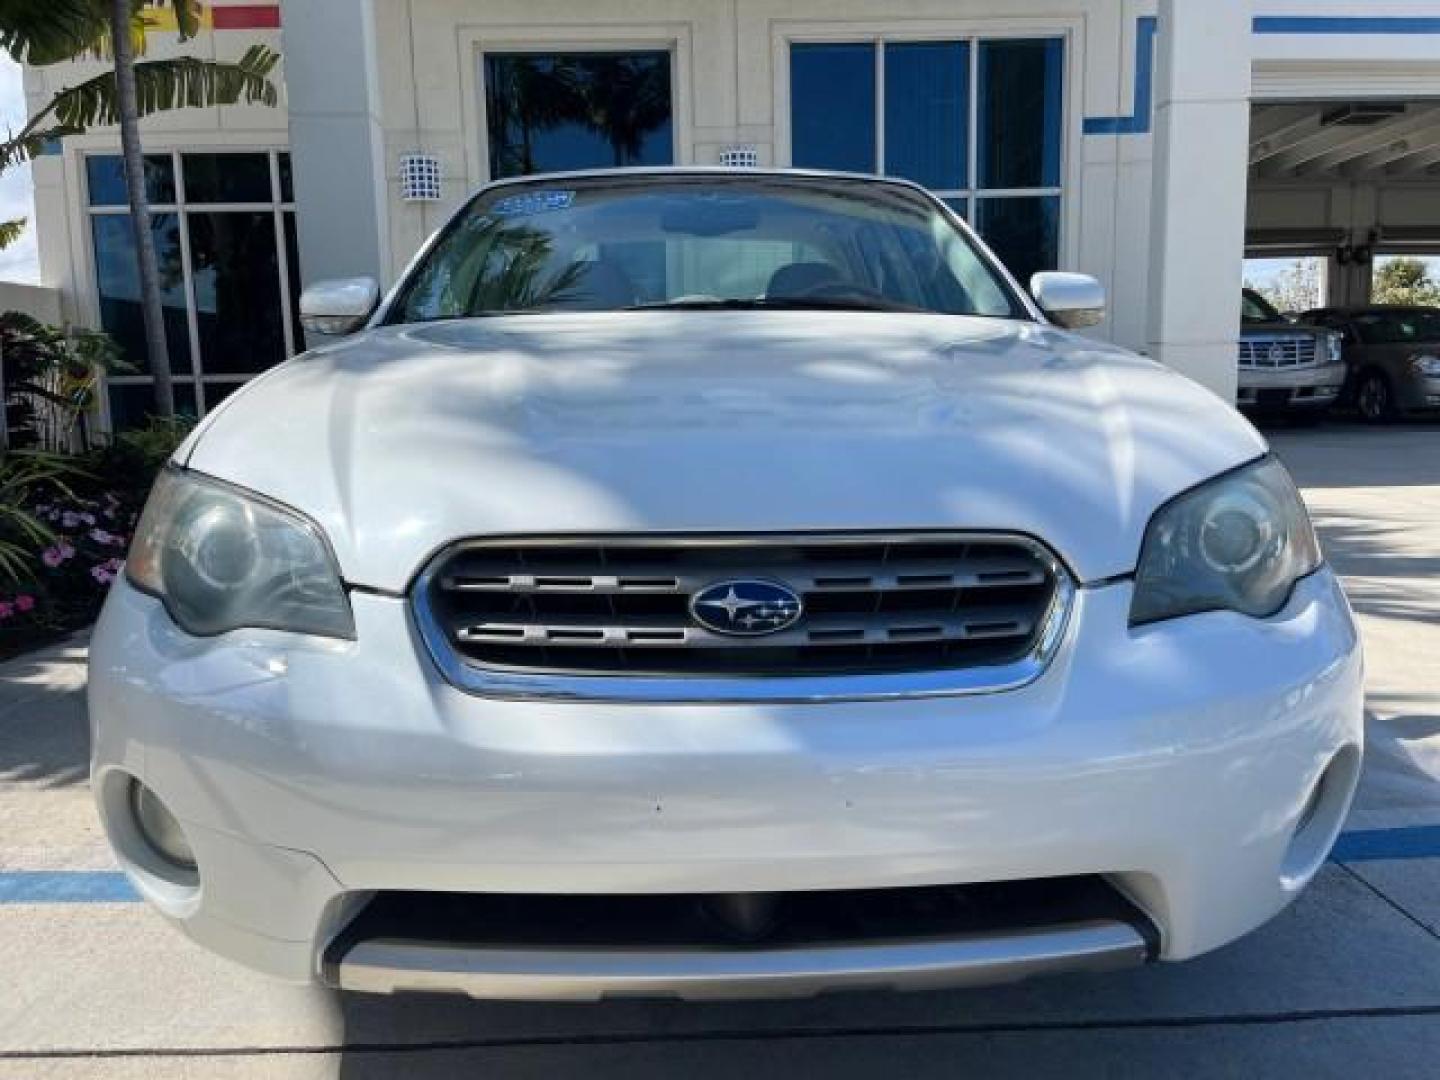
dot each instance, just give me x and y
(724, 1035)
(1386, 898)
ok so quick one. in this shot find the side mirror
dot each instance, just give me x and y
(340, 306)
(1072, 300)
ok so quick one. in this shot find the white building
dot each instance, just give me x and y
(1150, 144)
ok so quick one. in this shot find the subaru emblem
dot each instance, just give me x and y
(746, 607)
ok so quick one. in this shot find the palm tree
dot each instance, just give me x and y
(41, 32)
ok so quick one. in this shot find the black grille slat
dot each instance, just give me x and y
(926, 574)
(1016, 621)
(617, 606)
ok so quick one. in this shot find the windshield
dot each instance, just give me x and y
(622, 243)
(1254, 308)
(1401, 327)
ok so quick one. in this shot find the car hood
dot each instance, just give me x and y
(403, 439)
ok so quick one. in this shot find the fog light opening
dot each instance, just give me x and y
(1320, 819)
(159, 828)
(1307, 815)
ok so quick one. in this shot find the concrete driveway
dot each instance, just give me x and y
(1346, 982)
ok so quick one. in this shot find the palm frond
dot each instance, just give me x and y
(172, 84)
(10, 231)
(43, 32)
(32, 141)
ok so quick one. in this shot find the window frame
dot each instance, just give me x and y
(277, 207)
(973, 32)
(477, 43)
(482, 64)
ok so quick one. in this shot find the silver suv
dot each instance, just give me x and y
(1285, 366)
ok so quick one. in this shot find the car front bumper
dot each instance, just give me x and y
(1313, 387)
(1175, 760)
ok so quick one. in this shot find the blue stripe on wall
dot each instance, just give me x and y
(1361, 24)
(1138, 122)
(112, 887)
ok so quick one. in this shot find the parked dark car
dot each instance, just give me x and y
(1392, 358)
(1284, 366)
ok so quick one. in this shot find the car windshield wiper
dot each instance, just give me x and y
(775, 303)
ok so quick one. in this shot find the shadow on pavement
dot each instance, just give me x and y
(44, 734)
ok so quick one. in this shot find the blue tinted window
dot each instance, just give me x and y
(227, 178)
(927, 112)
(105, 179)
(1020, 97)
(552, 112)
(1024, 232)
(832, 107)
(132, 404)
(237, 291)
(118, 279)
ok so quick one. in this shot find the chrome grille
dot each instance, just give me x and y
(621, 606)
(1274, 351)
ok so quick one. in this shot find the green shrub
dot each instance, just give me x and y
(65, 524)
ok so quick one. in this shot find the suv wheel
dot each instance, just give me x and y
(1374, 399)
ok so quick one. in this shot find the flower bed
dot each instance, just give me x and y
(65, 528)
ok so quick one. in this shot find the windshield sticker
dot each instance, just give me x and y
(533, 202)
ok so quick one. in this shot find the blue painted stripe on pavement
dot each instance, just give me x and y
(1368, 845)
(1345, 24)
(112, 887)
(66, 887)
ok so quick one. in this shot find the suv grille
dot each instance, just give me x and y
(1277, 351)
(871, 604)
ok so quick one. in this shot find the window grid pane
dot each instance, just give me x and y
(1019, 122)
(548, 112)
(229, 285)
(1023, 231)
(832, 106)
(227, 178)
(105, 180)
(927, 112)
(118, 288)
(1002, 96)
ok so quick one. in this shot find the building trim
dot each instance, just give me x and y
(1138, 122)
(1346, 24)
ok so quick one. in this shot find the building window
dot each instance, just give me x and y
(977, 121)
(549, 112)
(224, 230)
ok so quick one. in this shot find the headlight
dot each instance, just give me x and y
(1427, 365)
(1334, 347)
(220, 559)
(1238, 543)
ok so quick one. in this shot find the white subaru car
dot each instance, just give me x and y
(707, 584)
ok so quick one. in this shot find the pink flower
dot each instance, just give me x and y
(54, 556)
(100, 536)
(24, 603)
(7, 609)
(102, 573)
